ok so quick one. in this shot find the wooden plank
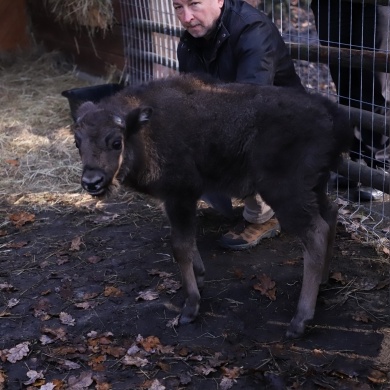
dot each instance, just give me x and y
(98, 67)
(13, 25)
(82, 42)
(117, 11)
(111, 41)
(92, 54)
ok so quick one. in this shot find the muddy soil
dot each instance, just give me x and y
(90, 297)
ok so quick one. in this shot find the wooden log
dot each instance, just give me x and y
(368, 177)
(373, 2)
(376, 60)
(369, 120)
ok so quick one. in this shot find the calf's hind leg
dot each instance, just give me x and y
(315, 242)
(182, 217)
(329, 212)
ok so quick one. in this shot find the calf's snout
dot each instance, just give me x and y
(93, 181)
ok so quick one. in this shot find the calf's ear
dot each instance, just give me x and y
(144, 114)
(83, 109)
(137, 118)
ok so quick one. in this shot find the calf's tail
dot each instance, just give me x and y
(342, 128)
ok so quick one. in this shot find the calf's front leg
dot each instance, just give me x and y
(182, 217)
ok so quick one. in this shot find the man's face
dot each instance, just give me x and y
(198, 17)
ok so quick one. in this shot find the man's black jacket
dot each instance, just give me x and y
(246, 47)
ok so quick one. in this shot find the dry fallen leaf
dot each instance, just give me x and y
(12, 302)
(79, 383)
(361, 317)
(266, 287)
(62, 260)
(170, 286)
(58, 333)
(338, 277)
(105, 218)
(232, 373)
(153, 385)
(204, 370)
(46, 340)
(41, 308)
(215, 361)
(95, 342)
(111, 291)
(164, 366)
(3, 378)
(6, 287)
(94, 259)
(3, 355)
(113, 351)
(21, 218)
(96, 362)
(377, 377)
(291, 262)
(147, 295)
(149, 343)
(103, 386)
(69, 365)
(173, 322)
(134, 361)
(133, 350)
(68, 350)
(67, 319)
(16, 245)
(86, 305)
(49, 386)
(90, 295)
(166, 349)
(161, 274)
(226, 383)
(382, 284)
(14, 162)
(18, 352)
(34, 376)
(75, 244)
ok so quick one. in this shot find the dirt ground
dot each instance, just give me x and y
(90, 296)
(90, 293)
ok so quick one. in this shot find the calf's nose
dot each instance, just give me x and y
(92, 182)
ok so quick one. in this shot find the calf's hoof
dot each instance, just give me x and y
(296, 329)
(188, 314)
(200, 282)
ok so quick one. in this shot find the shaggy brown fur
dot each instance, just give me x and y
(178, 138)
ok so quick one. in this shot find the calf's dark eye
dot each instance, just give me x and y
(117, 145)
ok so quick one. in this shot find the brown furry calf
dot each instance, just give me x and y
(178, 138)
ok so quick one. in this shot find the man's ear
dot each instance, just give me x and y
(137, 118)
(83, 109)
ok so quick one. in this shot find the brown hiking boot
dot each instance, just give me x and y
(247, 235)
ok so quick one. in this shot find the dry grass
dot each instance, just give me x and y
(36, 145)
(92, 14)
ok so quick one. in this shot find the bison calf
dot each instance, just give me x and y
(178, 138)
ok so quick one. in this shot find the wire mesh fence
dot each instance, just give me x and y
(340, 49)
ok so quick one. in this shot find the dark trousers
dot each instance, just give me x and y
(347, 24)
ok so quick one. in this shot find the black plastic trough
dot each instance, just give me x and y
(77, 96)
